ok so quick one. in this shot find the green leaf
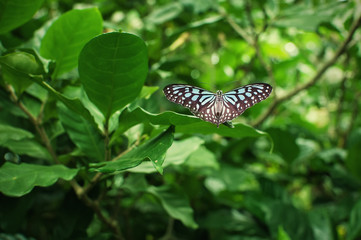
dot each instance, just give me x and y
(232, 220)
(321, 224)
(353, 162)
(83, 134)
(14, 13)
(18, 180)
(113, 68)
(184, 124)
(165, 13)
(73, 104)
(29, 147)
(175, 203)
(231, 179)
(284, 143)
(308, 18)
(354, 226)
(201, 159)
(180, 150)
(66, 37)
(282, 235)
(21, 142)
(177, 154)
(8, 133)
(153, 150)
(294, 222)
(240, 130)
(18, 68)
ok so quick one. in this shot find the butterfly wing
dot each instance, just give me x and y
(235, 102)
(196, 99)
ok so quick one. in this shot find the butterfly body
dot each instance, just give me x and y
(218, 107)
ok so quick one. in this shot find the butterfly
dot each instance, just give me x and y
(218, 107)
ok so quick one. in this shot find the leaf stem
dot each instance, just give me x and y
(37, 122)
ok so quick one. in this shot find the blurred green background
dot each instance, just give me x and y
(290, 169)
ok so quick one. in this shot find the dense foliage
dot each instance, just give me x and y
(91, 148)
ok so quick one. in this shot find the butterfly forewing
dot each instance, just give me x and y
(239, 99)
(188, 96)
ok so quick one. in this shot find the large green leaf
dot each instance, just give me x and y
(184, 124)
(154, 150)
(84, 135)
(113, 68)
(175, 203)
(14, 13)
(66, 37)
(19, 179)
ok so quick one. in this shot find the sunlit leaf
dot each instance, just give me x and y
(112, 69)
(153, 150)
(66, 37)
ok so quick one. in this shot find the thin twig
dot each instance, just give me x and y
(254, 40)
(35, 121)
(110, 222)
(79, 191)
(315, 78)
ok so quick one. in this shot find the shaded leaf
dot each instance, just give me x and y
(73, 104)
(353, 162)
(284, 143)
(19, 179)
(175, 203)
(232, 220)
(14, 13)
(84, 135)
(354, 226)
(293, 221)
